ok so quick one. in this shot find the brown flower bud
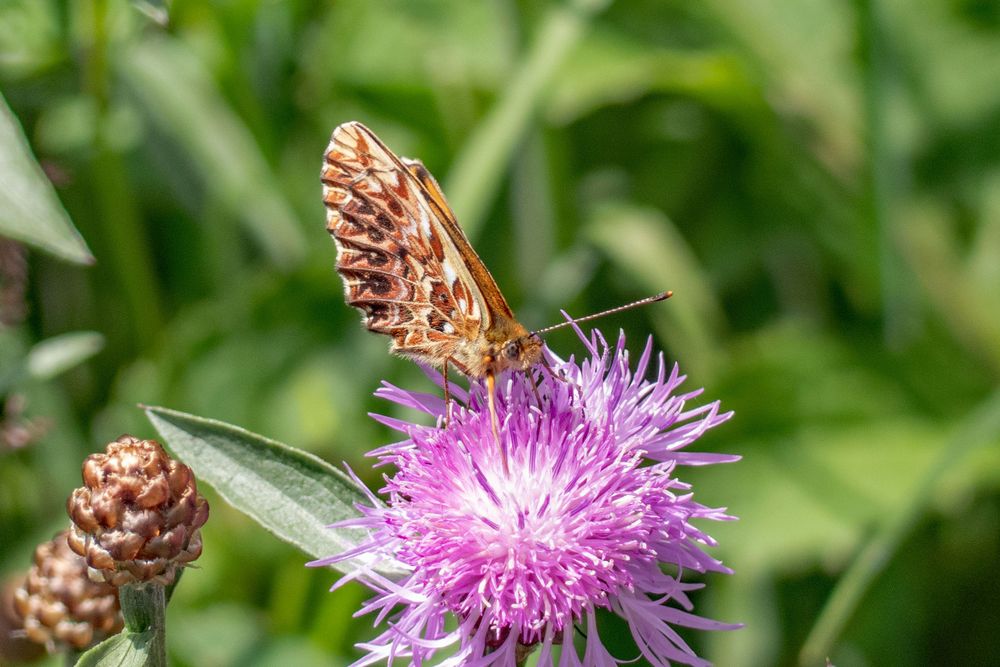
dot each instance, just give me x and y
(137, 516)
(14, 644)
(59, 605)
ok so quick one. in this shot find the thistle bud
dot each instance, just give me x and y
(136, 518)
(59, 605)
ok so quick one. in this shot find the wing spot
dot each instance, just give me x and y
(439, 295)
(437, 322)
(374, 234)
(377, 312)
(376, 283)
(362, 207)
(375, 258)
(351, 220)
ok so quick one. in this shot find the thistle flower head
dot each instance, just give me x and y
(582, 517)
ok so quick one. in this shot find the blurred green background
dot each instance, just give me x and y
(818, 182)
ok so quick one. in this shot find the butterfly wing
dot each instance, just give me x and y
(405, 262)
(496, 304)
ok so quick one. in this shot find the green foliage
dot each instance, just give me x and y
(51, 357)
(29, 209)
(126, 649)
(141, 642)
(818, 182)
(292, 493)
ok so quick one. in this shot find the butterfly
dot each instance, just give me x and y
(408, 266)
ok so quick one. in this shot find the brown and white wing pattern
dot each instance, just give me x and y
(495, 303)
(395, 253)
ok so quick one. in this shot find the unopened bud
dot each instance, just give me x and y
(138, 514)
(59, 605)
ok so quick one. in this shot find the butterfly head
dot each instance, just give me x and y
(520, 353)
(508, 346)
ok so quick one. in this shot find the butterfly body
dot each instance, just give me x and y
(408, 266)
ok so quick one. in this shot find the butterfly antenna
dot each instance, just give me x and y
(662, 296)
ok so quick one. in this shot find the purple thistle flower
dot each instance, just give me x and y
(586, 515)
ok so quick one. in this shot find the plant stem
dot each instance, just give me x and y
(882, 171)
(522, 653)
(144, 610)
(122, 239)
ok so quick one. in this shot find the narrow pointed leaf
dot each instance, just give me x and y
(30, 211)
(291, 493)
(58, 354)
(51, 357)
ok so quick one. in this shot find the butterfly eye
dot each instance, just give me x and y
(512, 350)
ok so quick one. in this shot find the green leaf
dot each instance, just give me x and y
(182, 98)
(53, 356)
(30, 211)
(291, 493)
(58, 354)
(126, 649)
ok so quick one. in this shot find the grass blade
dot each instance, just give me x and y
(981, 427)
(180, 95)
(478, 169)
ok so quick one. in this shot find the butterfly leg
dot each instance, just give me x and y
(491, 389)
(534, 390)
(447, 395)
(558, 376)
(552, 371)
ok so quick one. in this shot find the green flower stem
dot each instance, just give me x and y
(522, 653)
(144, 610)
